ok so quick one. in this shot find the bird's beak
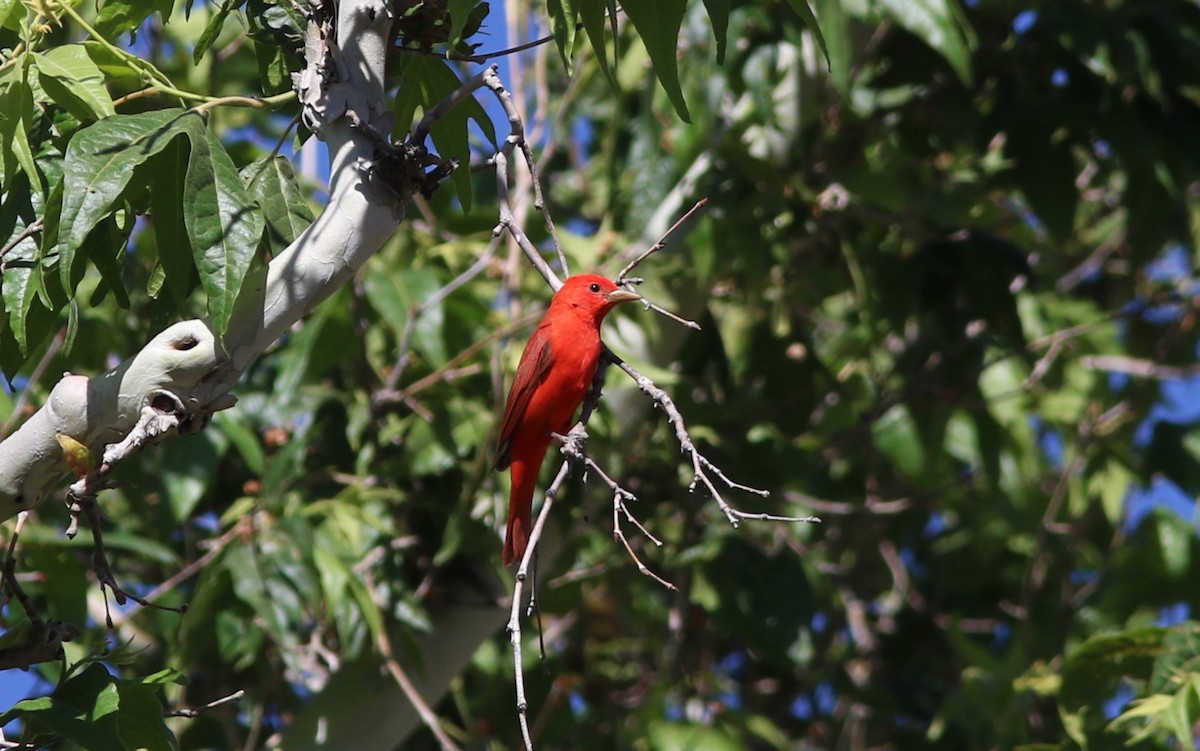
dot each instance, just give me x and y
(622, 295)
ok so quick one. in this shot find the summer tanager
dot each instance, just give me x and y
(553, 377)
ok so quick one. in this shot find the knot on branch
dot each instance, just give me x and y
(42, 643)
(405, 169)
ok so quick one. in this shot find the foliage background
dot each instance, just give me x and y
(948, 292)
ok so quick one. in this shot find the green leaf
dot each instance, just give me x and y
(718, 15)
(272, 184)
(105, 247)
(460, 11)
(187, 469)
(896, 436)
(82, 711)
(140, 720)
(272, 67)
(938, 24)
(806, 14)
(671, 736)
(1102, 660)
(395, 295)
(69, 75)
(564, 15)
(215, 24)
(427, 81)
(119, 17)
(166, 217)
(658, 25)
(98, 166)
(6, 11)
(16, 115)
(837, 42)
(223, 223)
(591, 12)
(21, 279)
(244, 440)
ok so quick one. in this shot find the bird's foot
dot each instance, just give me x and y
(573, 442)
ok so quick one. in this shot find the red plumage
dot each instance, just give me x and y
(553, 377)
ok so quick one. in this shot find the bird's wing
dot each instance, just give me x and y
(531, 372)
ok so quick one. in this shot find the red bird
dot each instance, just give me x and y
(553, 377)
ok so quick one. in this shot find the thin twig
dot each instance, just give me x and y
(508, 220)
(414, 314)
(30, 230)
(195, 711)
(514, 619)
(242, 526)
(701, 466)
(428, 716)
(1139, 368)
(662, 241)
(457, 97)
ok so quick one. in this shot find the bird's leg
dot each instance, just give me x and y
(572, 448)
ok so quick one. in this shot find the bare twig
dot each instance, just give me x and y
(662, 241)
(195, 711)
(444, 373)
(428, 716)
(431, 302)
(508, 220)
(701, 466)
(572, 447)
(30, 230)
(1092, 263)
(1139, 368)
(242, 526)
(514, 619)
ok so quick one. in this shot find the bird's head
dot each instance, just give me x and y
(593, 294)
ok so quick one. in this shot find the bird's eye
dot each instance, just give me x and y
(594, 287)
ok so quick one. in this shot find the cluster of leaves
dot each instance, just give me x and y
(923, 223)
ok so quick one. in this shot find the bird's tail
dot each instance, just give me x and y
(520, 510)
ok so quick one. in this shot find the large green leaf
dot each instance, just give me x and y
(223, 225)
(22, 274)
(222, 221)
(939, 24)
(460, 11)
(69, 75)
(166, 217)
(215, 24)
(805, 12)
(84, 710)
(832, 18)
(140, 720)
(272, 184)
(427, 81)
(718, 15)
(16, 114)
(591, 13)
(658, 25)
(564, 16)
(99, 164)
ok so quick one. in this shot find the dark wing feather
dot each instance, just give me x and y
(531, 372)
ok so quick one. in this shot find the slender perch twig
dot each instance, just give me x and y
(508, 221)
(701, 466)
(662, 241)
(195, 711)
(514, 619)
